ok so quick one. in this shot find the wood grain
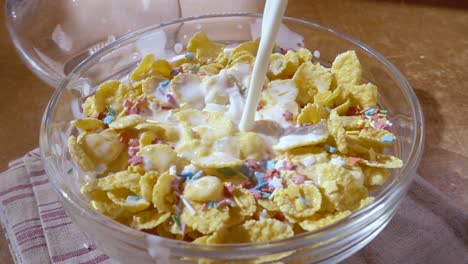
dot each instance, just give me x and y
(426, 40)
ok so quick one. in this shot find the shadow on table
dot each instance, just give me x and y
(443, 168)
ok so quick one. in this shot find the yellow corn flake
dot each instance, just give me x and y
(375, 176)
(187, 90)
(303, 136)
(339, 185)
(298, 201)
(375, 136)
(149, 66)
(311, 79)
(365, 202)
(147, 183)
(210, 69)
(217, 237)
(248, 46)
(238, 55)
(279, 92)
(282, 66)
(149, 219)
(147, 138)
(89, 107)
(364, 95)
(242, 59)
(153, 127)
(88, 124)
(304, 55)
(163, 195)
(362, 147)
(383, 161)
(192, 149)
(158, 157)
(320, 221)
(204, 49)
(119, 164)
(342, 109)
(101, 203)
(204, 189)
(217, 160)
(127, 122)
(208, 221)
(310, 114)
(268, 204)
(245, 206)
(136, 169)
(347, 68)
(120, 180)
(337, 131)
(79, 155)
(131, 206)
(252, 146)
(209, 126)
(352, 122)
(265, 230)
(222, 59)
(113, 93)
(104, 146)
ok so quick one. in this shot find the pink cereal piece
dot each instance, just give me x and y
(133, 142)
(256, 194)
(381, 125)
(171, 100)
(132, 151)
(288, 116)
(291, 166)
(135, 160)
(298, 178)
(353, 160)
(252, 164)
(204, 207)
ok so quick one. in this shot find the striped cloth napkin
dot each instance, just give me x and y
(427, 228)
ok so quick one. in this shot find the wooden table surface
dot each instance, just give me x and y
(426, 40)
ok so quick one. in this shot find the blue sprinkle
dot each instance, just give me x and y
(175, 71)
(165, 83)
(387, 139)
(304, 201)
(189, 55)
(108, 119)
(330, 149)
(260, 186)
(212, 204)
(245, 170)
(270, 164)
(383, 111)
(265, 194)
(260, 177)
(186, 174)
(196, 176)
(110, 111)
(132, 199)
(278, 50)
(370, 112)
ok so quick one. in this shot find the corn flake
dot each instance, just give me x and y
(245, 206)
(298, 201)
(149, 219)
(158, 157)
(203, 48)
(383, 161)
(347, 68)
(337, 131)
(104, 146)
(310, 114)
(131, 206)
(127, 122)
(79, 155)
(311, 79)
(319, 221)
(209, 126)
(89, 107)
(149, 66)
(147, 183)
(88, 124)
(265, 230)
(208, 221)
(252, 146)
(163, 195)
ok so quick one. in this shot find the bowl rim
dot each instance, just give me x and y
(401, 184)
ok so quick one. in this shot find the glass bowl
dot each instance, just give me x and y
(330, 244)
